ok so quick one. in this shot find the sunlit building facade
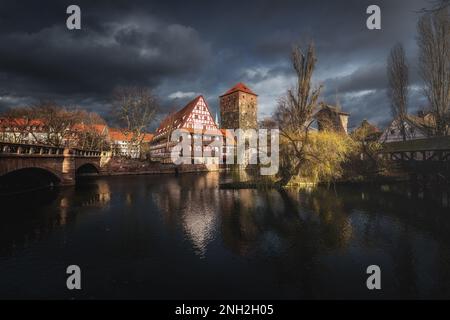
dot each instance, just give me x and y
(196, 120)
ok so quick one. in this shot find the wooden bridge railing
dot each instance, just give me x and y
(430, 149)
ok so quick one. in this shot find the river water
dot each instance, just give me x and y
(168, 237)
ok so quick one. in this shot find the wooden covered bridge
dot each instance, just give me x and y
(430, 156)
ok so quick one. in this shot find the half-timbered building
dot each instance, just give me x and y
(196, 119)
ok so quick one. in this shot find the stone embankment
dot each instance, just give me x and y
(123, 166)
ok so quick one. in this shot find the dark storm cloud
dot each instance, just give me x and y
(367, 77)
(123, 52)
(184, 48)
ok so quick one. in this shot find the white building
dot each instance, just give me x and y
(123, 146)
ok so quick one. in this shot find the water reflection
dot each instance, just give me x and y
(30, 217)
(193, 204)
(184, 237)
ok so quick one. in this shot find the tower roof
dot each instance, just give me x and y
(239, 87)
(333, 109)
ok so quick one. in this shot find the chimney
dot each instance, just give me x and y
(344, 122)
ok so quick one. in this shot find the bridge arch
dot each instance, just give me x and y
(87, 168)
(27, 179)
(38, 168)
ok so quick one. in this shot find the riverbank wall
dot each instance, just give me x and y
(123, 166)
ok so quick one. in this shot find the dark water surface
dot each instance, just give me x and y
(166, 237)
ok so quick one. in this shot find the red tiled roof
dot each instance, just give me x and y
(21, 122)
(170, 119)
(148, 137)
(239, 87)
(99, 128)
(119, 135)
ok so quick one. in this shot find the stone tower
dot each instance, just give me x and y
(330, 117)
(238, 108)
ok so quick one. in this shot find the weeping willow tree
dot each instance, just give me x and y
(295, 114)
(305, 153)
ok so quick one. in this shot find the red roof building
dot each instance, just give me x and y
(122, 144)
(195, 118)
(195, 115)
(239, 108)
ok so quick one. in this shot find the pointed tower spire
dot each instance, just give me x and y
(217, 120)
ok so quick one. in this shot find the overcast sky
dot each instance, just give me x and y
(185, 48)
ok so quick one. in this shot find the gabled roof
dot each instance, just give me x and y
(423, 125)
(178, 116)
(366, 125)
(367, 131)
(333, 109)
(239, 87)
(423, 122)
(419, 123)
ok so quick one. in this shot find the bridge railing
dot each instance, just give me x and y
(44, 150)
(29, 149)
(86, 153)
(429, 149)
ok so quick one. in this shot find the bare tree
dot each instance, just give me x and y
(57, 120)
(268, 123)
(18, 125)
(134, 109)
(295, 113)
(44, 123)
(397, 72)
(434, 61)
(91, 132)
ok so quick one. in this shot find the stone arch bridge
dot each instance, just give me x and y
(62, 163)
